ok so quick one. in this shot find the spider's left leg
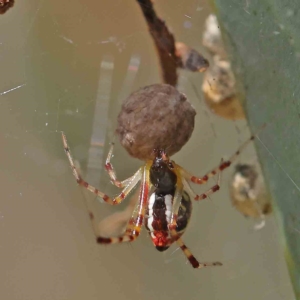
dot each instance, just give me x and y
(220, 168)
(111, 172)
(117, 200)
(135, 224)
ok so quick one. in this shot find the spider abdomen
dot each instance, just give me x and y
(158, 217)
(159, 213)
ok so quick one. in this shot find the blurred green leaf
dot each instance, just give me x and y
(263, 39)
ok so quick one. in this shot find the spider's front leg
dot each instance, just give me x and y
(221, 167)
(131, 182)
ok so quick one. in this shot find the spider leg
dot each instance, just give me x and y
(177, 196)
(187, 252)
(204, 195)
(173, 225)
(220, 168)
(117, 200)
(135, 224)
(110, 170)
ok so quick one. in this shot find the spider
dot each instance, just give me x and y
(164, 204)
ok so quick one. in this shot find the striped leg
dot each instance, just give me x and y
(173, 225)
(187, 252)
(191, 258)
(177, 196)
(135, 224)
(110, 170)
(203, 196)
(117, 200)
(221, 167)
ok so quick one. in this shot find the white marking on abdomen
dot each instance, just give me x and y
(168, 212)
(150, 212)
(168, 202)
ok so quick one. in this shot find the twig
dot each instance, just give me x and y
(171, 55)
(164, 42)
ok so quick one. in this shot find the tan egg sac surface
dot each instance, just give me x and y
(155, 117)
(248, 192)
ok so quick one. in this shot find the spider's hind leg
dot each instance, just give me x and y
(131, 182)
(173, 225)
(187, 252)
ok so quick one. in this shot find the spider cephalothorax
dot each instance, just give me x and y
(162, 175)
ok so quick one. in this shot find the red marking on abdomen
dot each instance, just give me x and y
(160, 238)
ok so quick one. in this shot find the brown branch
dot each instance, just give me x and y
(5, 5)
(164, 42)
(171, 55)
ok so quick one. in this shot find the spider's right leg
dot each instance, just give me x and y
(135, 224)
(204, 195)
(173, 225)
(117, 200)
(224, 164)
(187, 252)
(110, 170)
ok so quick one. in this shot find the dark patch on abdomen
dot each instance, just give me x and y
(184, 213)
(159, 214)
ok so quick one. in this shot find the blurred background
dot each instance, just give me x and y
(68, 66)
